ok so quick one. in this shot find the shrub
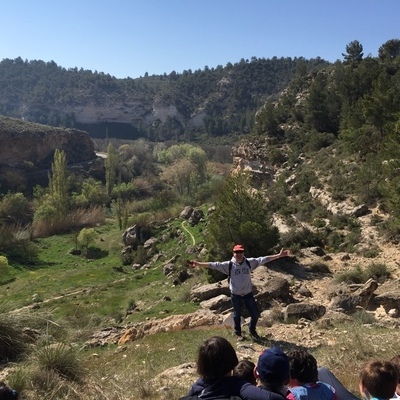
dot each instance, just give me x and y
(371, 252)
(61, 359)
(302, 237)
(86, 237)
(15, 208)
(378, 272)
(363, 317)
(12, 340)
(355, 275)
(4, 268)
(319, 267)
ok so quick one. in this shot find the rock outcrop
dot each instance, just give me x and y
(23, 142)
(27, 151)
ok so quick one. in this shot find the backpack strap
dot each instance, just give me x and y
(230, 269)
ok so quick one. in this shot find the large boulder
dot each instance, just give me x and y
(219, 303)
(296, 311)
(206, 292)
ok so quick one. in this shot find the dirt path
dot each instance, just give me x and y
(190, 233)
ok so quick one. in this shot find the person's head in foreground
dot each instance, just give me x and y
(303, 367)
(378, 379)
(6, 393)
(273, 368)
(216, 358)
(245, 369)
(396, 362)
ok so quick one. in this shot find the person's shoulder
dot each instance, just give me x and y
(250, 391)
(326, 385)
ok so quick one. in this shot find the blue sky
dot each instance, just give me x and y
(131, 37)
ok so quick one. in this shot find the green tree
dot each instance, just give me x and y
(241, 216)
(86, 237)
(381, 105)
(111, 168)
(180, 176)
(92, 192)
(120, 210)
(389, 50)
(15, 208)
(267, 120)
(58, 183)
(354, 52)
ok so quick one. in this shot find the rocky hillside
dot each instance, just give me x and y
(221, 100)
(302, 303)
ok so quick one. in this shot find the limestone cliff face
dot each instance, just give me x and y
(127, 112)
(131, 112)
(23, 142)
(135, 112)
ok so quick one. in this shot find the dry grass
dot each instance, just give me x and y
(76, 219)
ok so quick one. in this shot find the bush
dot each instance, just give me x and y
(4, 268)
(302, 237)
(319, 267)
(378, 272)
(86, 237)
(12, 340)
(62, 360)
(354, 275)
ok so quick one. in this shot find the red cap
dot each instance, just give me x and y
(238, 247)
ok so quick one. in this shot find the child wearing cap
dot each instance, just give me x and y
(238, 270)
(273, 371)
(378, 380)
(304, 384)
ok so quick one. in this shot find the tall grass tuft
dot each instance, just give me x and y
(12, 340)
(61, 359)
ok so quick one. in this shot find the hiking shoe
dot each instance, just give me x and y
(239, 338)
(254, 335)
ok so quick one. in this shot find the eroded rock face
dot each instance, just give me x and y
(23, 142)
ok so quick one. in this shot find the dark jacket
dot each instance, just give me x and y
(231, 386)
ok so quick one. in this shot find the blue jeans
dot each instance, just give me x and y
(251, 305)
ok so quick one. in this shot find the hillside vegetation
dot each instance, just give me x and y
(325, 146)
(225, 98)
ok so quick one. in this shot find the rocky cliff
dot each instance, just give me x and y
(23, 142)
(27, 148)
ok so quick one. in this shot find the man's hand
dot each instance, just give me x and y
(284, 253)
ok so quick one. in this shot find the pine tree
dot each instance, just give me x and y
(241, 216)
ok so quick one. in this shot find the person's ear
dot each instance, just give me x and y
(256, 374)
(363, 390)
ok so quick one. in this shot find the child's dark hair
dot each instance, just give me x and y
(379, 378)
(245, 369)
(216, 357)
(303, 366)
(396, 362)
